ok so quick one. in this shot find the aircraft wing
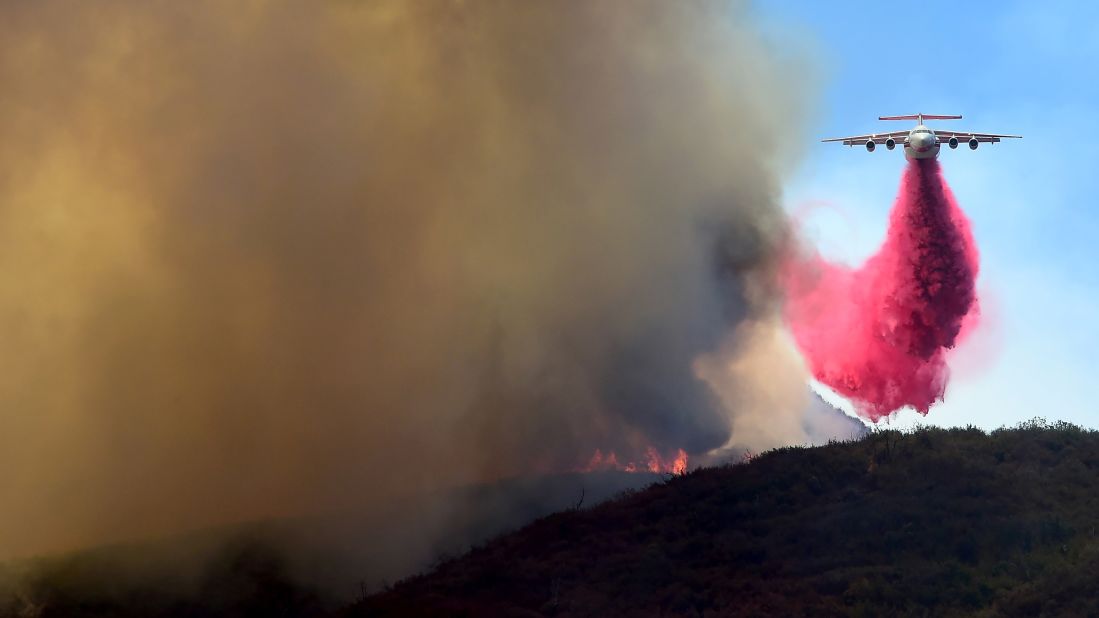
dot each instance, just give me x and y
(963, 136)
(879, 138)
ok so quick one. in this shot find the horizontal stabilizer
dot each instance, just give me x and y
(920, 117)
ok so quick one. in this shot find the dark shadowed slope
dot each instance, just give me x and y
(931, 523)
(935, 522)
(298, 567)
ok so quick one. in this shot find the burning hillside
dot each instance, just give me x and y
(934, 522)
(653, 462)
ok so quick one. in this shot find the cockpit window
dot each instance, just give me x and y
(923, 131)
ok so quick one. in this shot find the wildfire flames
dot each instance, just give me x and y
(653, 462)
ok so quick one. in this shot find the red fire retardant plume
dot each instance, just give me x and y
(878, 334)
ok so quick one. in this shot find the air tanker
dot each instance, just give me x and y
(921, 142)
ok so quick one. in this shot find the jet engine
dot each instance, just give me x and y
(869, 145)
(953, 142)
(890, 144)
(972, 143)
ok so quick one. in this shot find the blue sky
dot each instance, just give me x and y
(1008, 67)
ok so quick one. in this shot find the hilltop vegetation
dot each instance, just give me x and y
(932, 522)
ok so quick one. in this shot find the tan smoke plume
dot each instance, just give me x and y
(266, 258)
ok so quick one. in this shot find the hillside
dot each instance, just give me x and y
(932, 522)
(293, 567)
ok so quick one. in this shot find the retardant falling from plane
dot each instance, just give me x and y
(878, 334)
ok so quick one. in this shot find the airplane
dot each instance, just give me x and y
(921, 142)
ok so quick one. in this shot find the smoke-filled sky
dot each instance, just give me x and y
(1014, 67)
(269, 258)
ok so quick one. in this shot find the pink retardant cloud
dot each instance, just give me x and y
(878, 334)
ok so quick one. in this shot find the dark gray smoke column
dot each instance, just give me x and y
(268, 258)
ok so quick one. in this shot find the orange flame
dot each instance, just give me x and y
(654, 462)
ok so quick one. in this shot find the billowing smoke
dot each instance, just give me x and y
(266, 258)
(879, 334)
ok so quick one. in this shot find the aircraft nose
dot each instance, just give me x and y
(922, 141)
